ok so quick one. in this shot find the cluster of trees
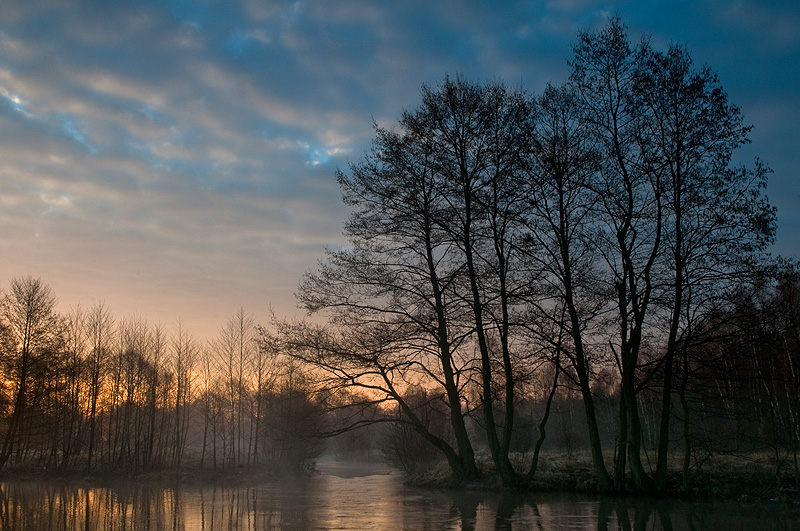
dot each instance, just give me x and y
(742, 381)
(84, 392)
(595, 240)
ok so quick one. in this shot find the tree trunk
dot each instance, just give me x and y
(543, 422)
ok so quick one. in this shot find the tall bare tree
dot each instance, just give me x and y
(184, 355)
(434, 231)
(34, 329)
(400, 276)
(478, 137)
(235, 349)
(73, 415)
(676, 224)
(629, 224)
(560, 247)
(717, 220)
(100, 325)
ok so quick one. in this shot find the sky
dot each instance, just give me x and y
(175, 159)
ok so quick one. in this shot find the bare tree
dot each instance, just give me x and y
(131, 377)
(435, 229)
(630, 213)
(399, 275)
(235, 347)
(675, 224)
(206, 396)
(76, 346)
(157, 351)
(184, 352)
(100, 324)
(560, 247)
(358, 369)
(717, 221)
(477, 138)
(28, 315)
(266, 363)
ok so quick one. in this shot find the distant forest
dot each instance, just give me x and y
(582, 271)
(85, 392)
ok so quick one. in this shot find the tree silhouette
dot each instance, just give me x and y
(31, 330)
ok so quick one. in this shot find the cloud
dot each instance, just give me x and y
(173, 158)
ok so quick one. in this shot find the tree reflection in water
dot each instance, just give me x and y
(366, 502)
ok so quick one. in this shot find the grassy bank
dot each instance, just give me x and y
(747, 478)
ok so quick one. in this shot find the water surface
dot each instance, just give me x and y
(357, 497)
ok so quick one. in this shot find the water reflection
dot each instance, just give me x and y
(348, 501)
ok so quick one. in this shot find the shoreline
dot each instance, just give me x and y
(740, 480)
(755, 483)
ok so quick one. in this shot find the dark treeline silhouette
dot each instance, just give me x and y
(593, 246)
(85, 393)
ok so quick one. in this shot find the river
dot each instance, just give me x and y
(347, 496)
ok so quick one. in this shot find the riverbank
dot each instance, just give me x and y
(747, 479)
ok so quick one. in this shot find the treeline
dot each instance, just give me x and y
(83, 392)
(595, 241)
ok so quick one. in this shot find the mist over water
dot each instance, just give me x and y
(355, 496)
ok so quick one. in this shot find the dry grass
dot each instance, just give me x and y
(747, 478)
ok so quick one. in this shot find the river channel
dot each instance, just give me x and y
(348, 496)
